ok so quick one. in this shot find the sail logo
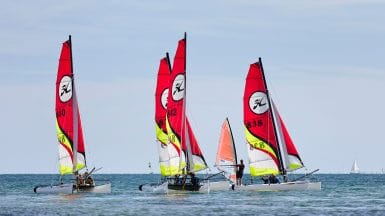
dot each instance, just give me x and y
(65, 89)
(164, 98)
(258, 103)
(178, 86)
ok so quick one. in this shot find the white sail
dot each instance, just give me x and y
(290, 158)
(355, 168)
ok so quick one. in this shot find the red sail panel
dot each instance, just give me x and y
(168, 154)
(258, 122)
(290, 147)
(175, 104)
(81, 148)
(161, 95)
(64, 108)
(195, 150)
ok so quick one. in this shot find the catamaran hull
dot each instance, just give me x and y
(105, 188)
(170, 188)
(287, 186)
(70, 189)
(215, 186)
(54, 189)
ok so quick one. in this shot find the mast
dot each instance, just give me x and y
(168, 61)
(189, 161)
(284, 173)
(74, 112)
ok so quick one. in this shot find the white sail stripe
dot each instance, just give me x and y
(64, 157)
(287, 159)
(260, 159)
(281, 139)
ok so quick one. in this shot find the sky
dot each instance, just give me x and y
(323, 62)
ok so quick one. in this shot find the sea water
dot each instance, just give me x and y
(341, 194)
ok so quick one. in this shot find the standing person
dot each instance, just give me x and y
(239, 174)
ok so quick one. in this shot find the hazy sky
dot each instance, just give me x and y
(324, 61)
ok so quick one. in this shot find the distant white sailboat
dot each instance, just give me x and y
(355, 169)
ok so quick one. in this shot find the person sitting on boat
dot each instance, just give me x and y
(239, 174)
(88, 180)
(79, 179)
(177, 179)
(194, 179)
(265, 179)
(273, 179)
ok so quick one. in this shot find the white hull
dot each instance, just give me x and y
(69, 189)
(55, 189)
(206, 187)
(215, 186)
(104, 188)
(287, 186)
(226, 186)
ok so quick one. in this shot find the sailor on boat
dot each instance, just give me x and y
(239, 173)
(88, 180)
(194, 180)
(84, 180)
(79, 179)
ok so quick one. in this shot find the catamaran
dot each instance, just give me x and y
(179, 153)
(72, 158)
(270, 148)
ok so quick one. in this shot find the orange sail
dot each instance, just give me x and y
(226, 155)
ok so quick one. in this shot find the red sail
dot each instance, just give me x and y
(195, 150)
(176, 97)
(65, 100)
(290, 147)
(161, 94)
(258, 121)
(176, 117)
